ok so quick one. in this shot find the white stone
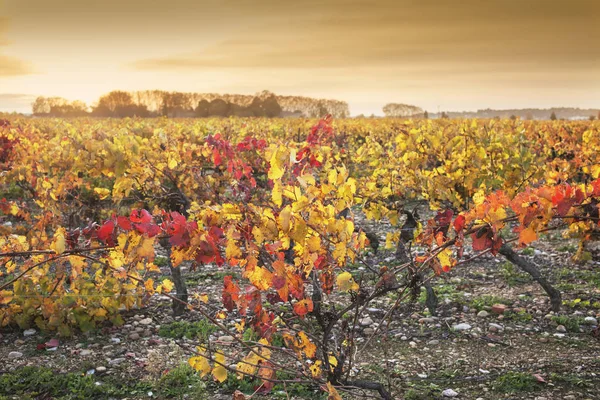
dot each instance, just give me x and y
(29, 332)
(15, 354)
(449, 393)
(461, 327)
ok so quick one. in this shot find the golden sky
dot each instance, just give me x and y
(446, 54)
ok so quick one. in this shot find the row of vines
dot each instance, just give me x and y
(86, 203)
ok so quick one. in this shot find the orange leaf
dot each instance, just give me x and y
(527, 236)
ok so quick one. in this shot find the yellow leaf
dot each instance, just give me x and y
(445, 258)
(59, 243)
(146, 249)
(102, 193)
(315, 369)
(277, 193)
(219, 372)
(204, 298)
(6, 296)
(333, 393)
(346, 283)
(172, 163)
(314, 244)
(284, 218)
(149, 285)
(479, 197)
(276, 162)
(166, 286)
(200, 364)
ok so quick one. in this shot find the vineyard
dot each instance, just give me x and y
(295, 258)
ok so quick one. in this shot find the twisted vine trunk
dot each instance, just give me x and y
(531, 269)
(431, 300)
(180, 286)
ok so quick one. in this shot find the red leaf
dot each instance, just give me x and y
(140, 216)
(459, 223)
(124, 223)
(231, 293)
(482, 239)
(106, 231)
(216, 157)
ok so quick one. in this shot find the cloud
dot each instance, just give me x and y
(505, 35)
(16, 102)
(10, 66)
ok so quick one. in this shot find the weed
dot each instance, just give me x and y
(571, 323)
(481, 302)
(181, 381)
(36, 382)
(528, 251)
(514, 382)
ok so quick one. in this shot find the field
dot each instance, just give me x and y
(294, 258)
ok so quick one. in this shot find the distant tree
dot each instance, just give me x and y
(426, 115)
(41, 106)
(119, 104)
(401, 110)
(271, 107)
(444, 115)
(592, 117)
(513, 117)
(58, 107)
(202, 108)
(218, 108)
(553, 116)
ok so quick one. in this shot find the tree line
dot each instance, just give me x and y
(153, 103)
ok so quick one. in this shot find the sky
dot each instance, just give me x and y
(444, 55)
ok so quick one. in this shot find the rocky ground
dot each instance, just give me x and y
(493, 338)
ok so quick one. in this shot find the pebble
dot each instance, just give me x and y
(433, 342)
(146, 321)
(426, 320)
(483, 314)
(449, 393)
(227, 339)
(85, 353)
(366, 321)
(368, 331)
(29, 332)
(498, 308)
(591, 320)
(115, 340)
(134, 336)
(561, 329)
(100, 369)
(116, 361)
(461, 327)
(15, 354)
(496, 327)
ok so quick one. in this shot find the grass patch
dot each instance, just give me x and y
(570, 322)
(515, 382)
(181, 381)
(192, 330)
(512, 276)
(485, 301)
(43, 383)
(521, 316)
(528, 251)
